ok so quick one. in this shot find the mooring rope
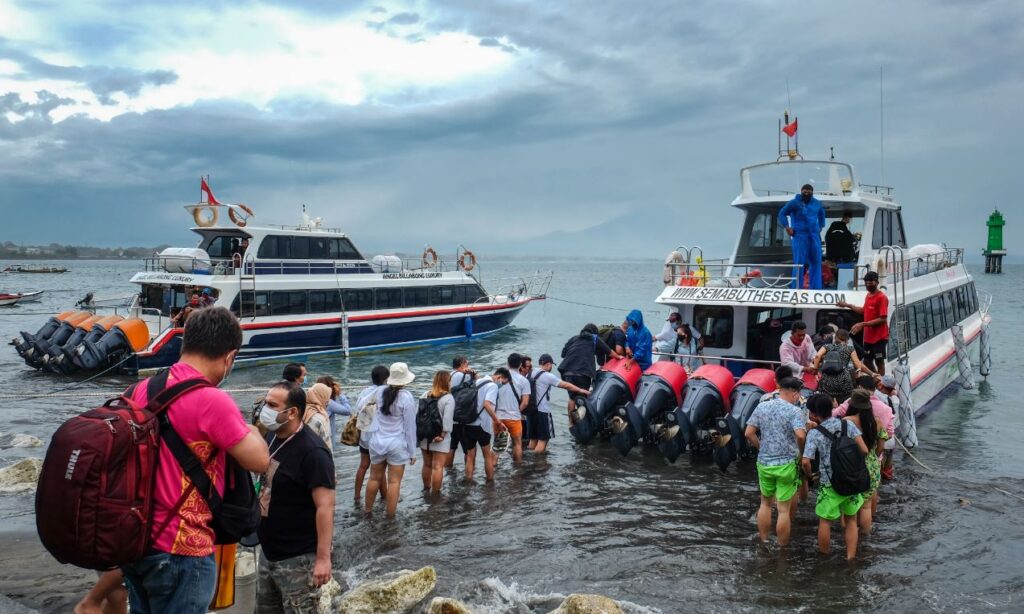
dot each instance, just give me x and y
(619, 309)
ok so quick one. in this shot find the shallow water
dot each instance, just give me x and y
(661, 537)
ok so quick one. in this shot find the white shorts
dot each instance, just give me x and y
(391, 450)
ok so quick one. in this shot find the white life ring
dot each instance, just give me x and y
(467, 261)
(239, 220)
(204, 222)
(429, 258)
(674, 258)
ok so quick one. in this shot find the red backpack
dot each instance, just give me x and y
(94, 501)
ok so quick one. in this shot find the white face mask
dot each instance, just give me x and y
(268, 418)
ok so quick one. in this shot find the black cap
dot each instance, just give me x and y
(871, 276)
(546, 359)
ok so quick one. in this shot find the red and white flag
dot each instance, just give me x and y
(205, 187)
(790, 129)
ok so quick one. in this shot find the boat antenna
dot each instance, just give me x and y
(881, 123)
(832, 153)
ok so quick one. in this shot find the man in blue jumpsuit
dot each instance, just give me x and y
(807, 218)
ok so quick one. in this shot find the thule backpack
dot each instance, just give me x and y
(849, 468)
(428, 420)
(833, 363)
(94, 501)
(465, 402)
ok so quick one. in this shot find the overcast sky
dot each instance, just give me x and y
(494, 121)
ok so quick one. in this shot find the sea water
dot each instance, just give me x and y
(658, 537)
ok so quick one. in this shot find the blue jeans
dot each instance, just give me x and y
(170, 583)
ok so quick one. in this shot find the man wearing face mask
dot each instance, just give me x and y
(297, 507)
(179, 573)
(803, 218)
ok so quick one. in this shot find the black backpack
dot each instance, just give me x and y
(465, 402)
(533, 402)
(833, 363)
(849, 468)
(428, 420)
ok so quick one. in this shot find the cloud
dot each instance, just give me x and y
(493, 122)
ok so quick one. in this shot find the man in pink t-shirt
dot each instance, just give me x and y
(797, 351)
(179, 574)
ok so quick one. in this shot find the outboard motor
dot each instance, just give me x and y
(126, 336)
(40, 346)
(615, 385)
(690, 425)
(661, 390)
(81, 330)
(62, 360)
(23, 342)
(754, 384)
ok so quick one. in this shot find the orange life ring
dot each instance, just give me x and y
(204, 222)
(429, 258)
(237, 219)
(471, 257)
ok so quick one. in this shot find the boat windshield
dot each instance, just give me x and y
(786, 177)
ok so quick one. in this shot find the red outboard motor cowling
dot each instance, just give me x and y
(706, 397)
(661, 391)
(754, 384)
(614, 386)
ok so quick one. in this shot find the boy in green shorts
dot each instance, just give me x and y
(776, 428)
(831, 505)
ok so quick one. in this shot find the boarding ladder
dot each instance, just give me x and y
(247, 284)
(343, 322)
(895, 268)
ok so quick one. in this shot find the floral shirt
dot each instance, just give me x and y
(778, 422)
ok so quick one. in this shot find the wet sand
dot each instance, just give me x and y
(33, 578)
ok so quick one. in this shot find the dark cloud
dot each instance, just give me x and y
(611, 110)
(404, 19)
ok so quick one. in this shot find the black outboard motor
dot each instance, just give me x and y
(62, 361)
(23, 342)
(745, 397)
(690, 425)
(126, 336)
(81, 330)
(661, 389)
(36, 354)
(615, 385)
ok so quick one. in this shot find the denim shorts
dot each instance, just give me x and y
(162, 582)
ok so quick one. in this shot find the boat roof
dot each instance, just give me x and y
(779, 181)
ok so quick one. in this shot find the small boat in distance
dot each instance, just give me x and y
(9, 300)
(31, 269)
(30, 297)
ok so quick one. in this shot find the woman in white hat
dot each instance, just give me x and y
(392, 437)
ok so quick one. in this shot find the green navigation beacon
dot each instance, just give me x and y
(994, 252)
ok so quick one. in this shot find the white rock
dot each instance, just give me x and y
(22, 476)
(327, 594)
(394, 594)
(588, 604)
(447, 605)
(23, 440)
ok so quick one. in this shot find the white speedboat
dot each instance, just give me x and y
(744, 304)
(298, 291)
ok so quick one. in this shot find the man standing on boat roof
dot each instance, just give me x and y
(803, 217)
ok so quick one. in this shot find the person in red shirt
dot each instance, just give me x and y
(875, 324)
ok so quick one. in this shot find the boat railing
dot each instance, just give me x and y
(197, 266)
(881, 190)
(726, 273)
(423, 265)
(903, 265)
(512, 289)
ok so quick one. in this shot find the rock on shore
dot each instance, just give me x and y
(22, 476)
(588, 604)
(394, 594)
(446, 605)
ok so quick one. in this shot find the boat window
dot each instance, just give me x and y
(358, 300)
(319, 248)
(765, 327)
(898, 236)
(269, 247)
(292, 302)
(948, 309)
(324, 301)
(715, 325)
(761, 231)
(880, 231)
(842, 318)
(416, 297)
(248, 310)
(300, 248)
(960, 303)
(442, 295)
(222, 246)
(388, 298)
(923, 321)
(911, 325)
(938, 321)
(474, 293)
(342, 249)
(972, 296)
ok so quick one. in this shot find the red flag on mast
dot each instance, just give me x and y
(205, 187)
(790, 129)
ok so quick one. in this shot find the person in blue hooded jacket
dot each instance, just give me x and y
(639, 340)
(803, 218)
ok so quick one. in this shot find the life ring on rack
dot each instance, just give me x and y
(204, 222)
(467, 261)
(429, 258)
(238, 219)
